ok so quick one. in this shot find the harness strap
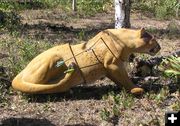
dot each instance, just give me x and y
(98, 60)
(109, 48)
(96, 56)
(77, 64)
(81, 73)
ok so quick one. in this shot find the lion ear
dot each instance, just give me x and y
(145, 35)
(142, 31)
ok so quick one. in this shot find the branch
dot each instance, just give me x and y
(145, 68)
(158, 59)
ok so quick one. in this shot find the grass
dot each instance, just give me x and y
(85, 7)
(162, 9)
(20, 52)
(117, 102)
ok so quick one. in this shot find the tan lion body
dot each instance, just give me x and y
(95, 59)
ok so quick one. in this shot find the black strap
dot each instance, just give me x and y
(77, 64)
(98, 59)
(108, 48)
(82, 75)
(96, 56)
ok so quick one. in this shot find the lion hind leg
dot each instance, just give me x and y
(63, 85)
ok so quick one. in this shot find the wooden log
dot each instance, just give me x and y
(146, 67)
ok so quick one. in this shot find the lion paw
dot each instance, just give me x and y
(137, 91)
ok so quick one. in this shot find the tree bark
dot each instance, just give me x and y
(74, 5)
(122, 13)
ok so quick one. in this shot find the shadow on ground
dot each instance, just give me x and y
(25, 122)
(63, 33)
(60, 32)
(76, 93)
(94, 92)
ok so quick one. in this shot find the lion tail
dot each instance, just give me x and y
(19, 84)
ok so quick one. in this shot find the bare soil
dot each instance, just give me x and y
(82, 105)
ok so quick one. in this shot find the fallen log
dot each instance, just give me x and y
(147, 67)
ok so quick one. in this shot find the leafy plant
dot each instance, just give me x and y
(84, 7)
(118, 102)
(171, 66)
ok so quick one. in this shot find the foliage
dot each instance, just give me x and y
(105, 114)
(171, 66)
(162, 9)
(18, 5)
(9, 20)
(160, 97)
(90, 7)
(19, 52)
(84, 7)
(117, 102)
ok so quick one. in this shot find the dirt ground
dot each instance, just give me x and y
(82, 105)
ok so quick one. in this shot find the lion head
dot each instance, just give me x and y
(139, 41)
(147, 43)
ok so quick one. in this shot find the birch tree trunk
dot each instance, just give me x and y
(122, 13)
(74, 6)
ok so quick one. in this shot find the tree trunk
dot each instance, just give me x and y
(177, 8)
(122, 13)
(74, 5)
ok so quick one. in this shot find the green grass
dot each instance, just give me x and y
(85, 7)
(162, 9)
(20, 52)
(117, 102)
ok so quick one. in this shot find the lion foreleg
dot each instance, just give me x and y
(120, 77)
